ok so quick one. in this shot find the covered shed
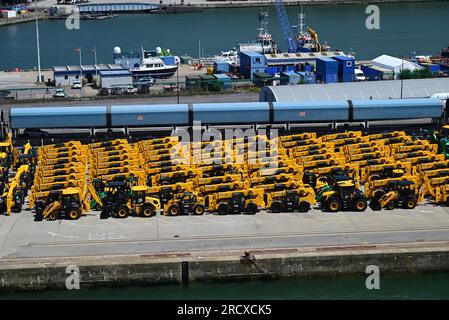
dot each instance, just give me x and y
(394, 64)
(366, 90)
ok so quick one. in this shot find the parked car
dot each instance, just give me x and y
(103, 92)
(146, 81)
(130, 90)
(117, 91)
(77, 84)
(35, 133)
(59, 93)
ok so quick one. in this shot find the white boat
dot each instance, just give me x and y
(154, 67)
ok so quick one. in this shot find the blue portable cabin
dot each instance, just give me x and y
(58, 117)
(224, 80)
(346, 66)
(250, 63)
(231, 113)
(150, 115)
(397, 109)
(315, 111)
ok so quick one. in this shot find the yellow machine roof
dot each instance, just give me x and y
(70, 191)
(446, 127)
(140, 188)
(346, 183)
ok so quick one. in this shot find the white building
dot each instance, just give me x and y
(394, 64)
(115, 78)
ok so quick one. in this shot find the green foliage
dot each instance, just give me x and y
(415, 74)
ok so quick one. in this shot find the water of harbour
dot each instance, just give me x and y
(410, 286)
(405, 27)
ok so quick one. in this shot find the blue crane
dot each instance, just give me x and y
(293, 44)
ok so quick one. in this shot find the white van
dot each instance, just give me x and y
(359, 75)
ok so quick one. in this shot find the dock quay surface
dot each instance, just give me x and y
(35, 255)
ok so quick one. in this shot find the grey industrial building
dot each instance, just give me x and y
(66, 75)
(414, 88)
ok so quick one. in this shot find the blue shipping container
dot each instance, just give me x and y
(326, 65)
(224, 79)
(221, 66)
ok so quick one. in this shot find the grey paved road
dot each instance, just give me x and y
(21, 237)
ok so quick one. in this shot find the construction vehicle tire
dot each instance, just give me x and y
(374, 204)
(390, 205)
(223, 209)
(251, 208)
(333, 204)
(174, 210)
(147, 211)
(53, 216)
(104, 214)
(198, 210)
(303, 206)
(122, 212)
(276, 207)
(409, 203)
(74, 214)
(359, 204)
(17, 208)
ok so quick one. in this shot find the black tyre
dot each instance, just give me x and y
(122, 212)
(304, 206)
(333, 204)
(174, 210)
(198, 210)
(223, 209)
(390, 205)
(359, 204)
(409, 203)
(276, 207)
(74, 214)
(17, 208)
(375, 204)
(147, 211)
(53, 216)
(251, 208)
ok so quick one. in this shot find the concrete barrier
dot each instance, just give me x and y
(50, 273)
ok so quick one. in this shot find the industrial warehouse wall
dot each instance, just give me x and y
(148, 271)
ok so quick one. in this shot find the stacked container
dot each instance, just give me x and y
(327, 70)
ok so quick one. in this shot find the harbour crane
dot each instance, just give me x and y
(293, 44)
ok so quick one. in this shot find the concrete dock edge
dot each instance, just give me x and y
(50, 273)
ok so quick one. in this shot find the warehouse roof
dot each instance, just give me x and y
(389, 62)
(415, 88)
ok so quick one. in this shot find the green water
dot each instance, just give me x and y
(410, 286)
(405, 27)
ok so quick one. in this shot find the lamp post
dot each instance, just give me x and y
(39, 74)
(402, 77)
(177, 80)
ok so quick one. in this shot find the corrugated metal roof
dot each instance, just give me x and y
(415, 88)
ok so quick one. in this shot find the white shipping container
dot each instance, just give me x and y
(9, 14)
